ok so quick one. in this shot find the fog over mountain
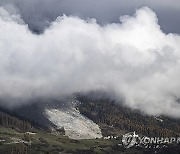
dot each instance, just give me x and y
(134, 60)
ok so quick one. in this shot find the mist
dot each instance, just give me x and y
(133, 59)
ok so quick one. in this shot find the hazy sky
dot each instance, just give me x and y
(38, 13)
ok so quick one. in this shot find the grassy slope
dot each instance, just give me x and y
(55, 144)
(44, 142)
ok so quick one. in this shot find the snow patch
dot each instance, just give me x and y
(158, 119)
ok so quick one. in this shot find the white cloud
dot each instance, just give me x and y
(135, 60)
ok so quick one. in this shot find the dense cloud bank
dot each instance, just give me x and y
(133, 59)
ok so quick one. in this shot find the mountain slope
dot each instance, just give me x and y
(53, 114)
(15, 123)
(83, 117)
(105, 111)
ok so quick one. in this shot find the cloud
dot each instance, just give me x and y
(132, 59)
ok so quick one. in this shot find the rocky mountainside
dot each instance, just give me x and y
(76, 125)
(85, 116)
(63, 124)
(59, 113)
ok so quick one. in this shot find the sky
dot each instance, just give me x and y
(83, 48)
(40, 13)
